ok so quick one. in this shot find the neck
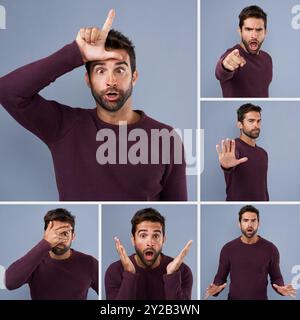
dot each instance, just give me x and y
(252, 240)
(142, 265)
(124, 114)
(61, 257)
(246, 139)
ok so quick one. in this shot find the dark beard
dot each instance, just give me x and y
(248, 48)
(112, 106)
(60, 251)
(147, 263)
(250, 135)
(244, 232)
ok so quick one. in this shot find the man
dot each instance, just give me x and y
(249, 259)
(52, 269)
(87, 152)
(148, 274)
(245, 164)
(245, 70)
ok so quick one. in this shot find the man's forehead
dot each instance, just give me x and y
(252, 115)
(57, 222)
(249, 215)
(253, 22)
(149, 226)
(125, 59)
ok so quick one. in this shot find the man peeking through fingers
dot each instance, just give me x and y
(245, 70)
(148, 274)
(245, 165)
(52, 269)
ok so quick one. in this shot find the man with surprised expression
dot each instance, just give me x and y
(148, 274)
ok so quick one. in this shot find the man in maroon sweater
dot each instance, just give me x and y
(249, 260)
(245, 164)
(148, 274)
(245, 70)
(111, 152)
(52, 269)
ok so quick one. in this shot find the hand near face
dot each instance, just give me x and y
(91, 41)
(126, 262)
(214, 289)
(233, 60)
(286, 290)
(56, 234)
(174, 265)
(226, 153)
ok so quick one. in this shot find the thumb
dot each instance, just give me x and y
(242, 160)
(275, 286)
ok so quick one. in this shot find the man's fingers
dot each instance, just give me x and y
(242, 160)
(235, 52)
(108, 22)
(185, 250)
(95, 34)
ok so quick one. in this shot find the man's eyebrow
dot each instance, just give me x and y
(145, 230)
(122, 62)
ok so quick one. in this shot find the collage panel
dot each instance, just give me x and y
(271, 73)
(266, 134)
(91, 134)
(255, 259)
(151, 264)
(49, 252)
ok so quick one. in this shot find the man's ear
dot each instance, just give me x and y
(164, 239)
(132, 240)
(73, 236)
(239, 125)
(239, 31)
(135, 77)
(87, 79)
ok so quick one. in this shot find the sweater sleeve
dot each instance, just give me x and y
(178, 286)
(120, 284)
(274, 269)
(174, 180)
(19, 90)
(21, 271)
(95, 276)
(223, 269)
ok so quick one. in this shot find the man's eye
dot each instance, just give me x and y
(120, 70)
(99, 71)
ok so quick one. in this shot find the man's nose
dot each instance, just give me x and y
(111, 79)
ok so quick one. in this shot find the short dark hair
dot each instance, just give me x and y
(252, 12)
(245, 108)
(248, 208)
(116, 40)
(59, 214)
(147, 214)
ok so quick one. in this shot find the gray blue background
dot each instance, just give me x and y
(279, 136)
(181, 226)
(279, 224)
(164, 33)
(219, 24)
(22, 227)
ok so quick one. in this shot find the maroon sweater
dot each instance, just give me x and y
(249, 266)
(248, 181)
(70, 134)
(68, 279)
(251, 80)
(147, 283)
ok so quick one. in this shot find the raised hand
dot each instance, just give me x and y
(233, 60)
(174, 265)
(56, 234)
(126, 262)
(286, 290)
(214, 289)
(91, 41)
(226, 153)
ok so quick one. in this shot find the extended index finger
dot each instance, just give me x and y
(108, 22)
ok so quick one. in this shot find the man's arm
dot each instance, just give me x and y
(95, 275)
(19, 89)
(21, 271)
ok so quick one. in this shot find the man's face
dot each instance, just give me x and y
(148, 242)
(111, 81)
(63, 247)
(250, 126)
(249, 224)
(253, 34)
